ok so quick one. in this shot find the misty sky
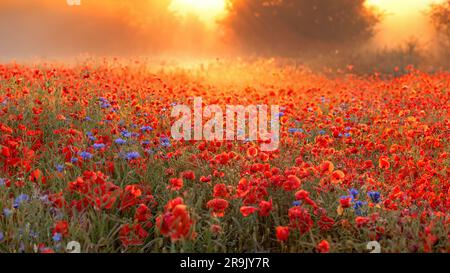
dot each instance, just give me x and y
(51, 28)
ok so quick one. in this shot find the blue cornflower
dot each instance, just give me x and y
(20, 199)
(98, 146)
(281, 114)
(375, 196)
(104, 103)
(145, 142)
(88, 118)
(57, 237)
(33, 234)
(2, 182)
(7, 212)
(321, 132)
(86, 155)
(296, 203)
(60, 168)
(74, 160)
(125, 133)
(358, 206)
(164, 142)
(120, 141)
(133, 155)
(347, 135)
(2, 236)
(146, 129)
(44, 198)
(295, 130)
(354, 193)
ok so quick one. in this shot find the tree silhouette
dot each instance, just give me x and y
(440, 16)
(287, 26)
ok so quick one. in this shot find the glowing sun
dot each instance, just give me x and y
(206, 10)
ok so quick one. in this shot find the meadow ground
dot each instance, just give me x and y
(86, 155)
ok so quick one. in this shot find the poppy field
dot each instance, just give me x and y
(86, 156)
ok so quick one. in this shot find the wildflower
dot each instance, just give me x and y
(354, 193)
(218, 206)
(59, 168)
(252, 152)
(126, 134)
(132, 156)
(20, 199)
(120, 141)
(146, 129)
(326, 223)
(2, 236)
(326, 167)
(265, 207)
(282, 233)
(375, 196)
(164, 142)
(337, 176)
(143, 213)
(98, 146)
(7, 212)
(86, 155)
(175, 184)
(175, 222)
(323, 247)
(300, 219)
(292, 183)
(295, 130)
(361, 221)
(358, 206)
(61, 227)
(383, 163)
(57, 237)
(189, 175)
(247, 210)
(221, 191)
(345, 201)
(132, 235)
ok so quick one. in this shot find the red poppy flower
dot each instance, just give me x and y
(247, 210)
(323, 247)
(218, 206)
(189, 175)
(143, 213)
(175, 184)
(282, 233)
(265, 207)
(61, 227)
(345, 202)
(383, 163)
(221, 191)
(337, 176)
(292, 183)
(300, 219)
(132, 235)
